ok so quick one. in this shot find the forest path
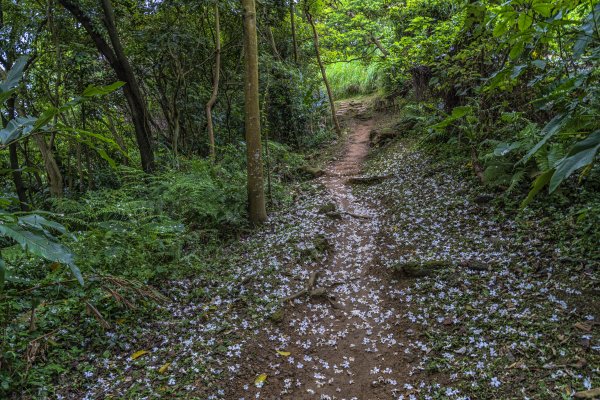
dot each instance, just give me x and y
(344, 344)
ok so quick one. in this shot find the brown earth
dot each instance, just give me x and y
(346, 344)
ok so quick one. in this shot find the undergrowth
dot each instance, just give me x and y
(354, 78)
(567, 217)
(142, 232)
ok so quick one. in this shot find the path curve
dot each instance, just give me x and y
(346, 348)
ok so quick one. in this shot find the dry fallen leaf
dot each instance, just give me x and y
(588, 394)
(579, 363)
(583, 326)
(138, 354)
(283, 353)
(260, 380)
(164, 368)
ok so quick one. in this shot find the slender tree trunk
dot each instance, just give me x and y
(132, 91)
(80, 168)
(53, 172)
(256, 194)
(273, 44)
(14, 161)
(336, 124)
(215, 89)
(378, 44)
(17, 177)
(120, 64)
(293, 23)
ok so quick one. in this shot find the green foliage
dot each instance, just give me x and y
(354, 78)
(13, 78)
(33, 233)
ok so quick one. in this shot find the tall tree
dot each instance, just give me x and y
(293, 27)
(256, 193)
(115, 55)
(215, 89)
(311, 21)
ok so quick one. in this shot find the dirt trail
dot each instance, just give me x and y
(348, 348)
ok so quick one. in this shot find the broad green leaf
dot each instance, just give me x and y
(16, 129)
(501, 28)
(517, 71)
(541, 64)
(543, 8)
(45, 118)
(524, 21)
(457, 113)
(14, 76)
(586, 35)
(283, 353)
(583, 153)
(5, 95)
(516, 50)
(41, 246)
(93, 90)
(537, 185)
(549, 130)
(504, 148)
(39, 222)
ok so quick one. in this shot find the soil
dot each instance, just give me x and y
(343, 345)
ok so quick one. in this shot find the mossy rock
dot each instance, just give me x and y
(311, 172)
(380, 136)
(277, 316)
(327, 208)
(322, 244)
(415, 269)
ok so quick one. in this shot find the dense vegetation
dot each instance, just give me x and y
(125, 127)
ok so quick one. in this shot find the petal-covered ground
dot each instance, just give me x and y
(421, 292)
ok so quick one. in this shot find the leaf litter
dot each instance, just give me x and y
(490, 313)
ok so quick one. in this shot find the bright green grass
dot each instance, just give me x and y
(353, 78)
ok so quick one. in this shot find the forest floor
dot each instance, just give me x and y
(404, 282)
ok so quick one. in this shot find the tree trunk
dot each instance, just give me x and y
(273, 44)
(17, 177)
(336, 124)
(378, 44)
(293, 23)
(256, 194)
(120, 64)
(53, 172)
(215, 89)
(14, 161)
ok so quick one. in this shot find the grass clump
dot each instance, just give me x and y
(354, 78)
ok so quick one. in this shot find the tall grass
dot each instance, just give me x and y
(353, 78)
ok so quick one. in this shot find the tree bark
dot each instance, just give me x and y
(378, 44)
(256, 195)
(293, 26)
(273, 44)
(120, 64)
(14, 161)
(215, 88)
(336, 124)
(53, 172)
